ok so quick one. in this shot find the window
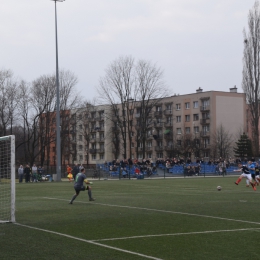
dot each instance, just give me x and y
(197, 142)
(80, 117)
(178, 119)
(195, 104)
(179, 131)
(206, 154)
(132, 145)
(187, 130)
(187, 118)
(169, 120)
(80, 147)
(196, 129)
(101, 156)
(159, 144)
(149, 155)
(179, 142)
(187, 105)
(80, 126)
(168, 107)
(178, 106)
(159, 108)
(80, 137)
(159, 155)
(205, 128)
(205, 115)
(149, 144)
(93, 157)
(195, 117)
(80, 157)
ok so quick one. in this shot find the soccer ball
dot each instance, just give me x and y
(219, 188)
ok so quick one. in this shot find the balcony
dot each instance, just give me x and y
(158, 113)
(159, 148)
(101, 139)
(115, 129)
(158, 125)
(93, 140)
(205, 108)
(168, 136)
(168, 124)
(204, 133)
(148, 148)
(92, 151)
(205, 146)
(205, 121)
(100, 150)
(149, 137)
(167, 112)
(93, 119)
(168, 148)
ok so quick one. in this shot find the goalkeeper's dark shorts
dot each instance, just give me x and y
(79, 188)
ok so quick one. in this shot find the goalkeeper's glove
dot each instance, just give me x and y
(90, 182)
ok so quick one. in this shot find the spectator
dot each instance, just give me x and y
(20, 174)
(40, 173)
(27, 172)
(69, 174)
(34, 173)
(75, 171)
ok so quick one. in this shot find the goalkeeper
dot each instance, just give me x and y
(79, 185)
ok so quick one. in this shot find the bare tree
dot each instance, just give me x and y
(222, 143)
(251, 71)
(116, 88)
(128, 86)
(150, 90)
(8, 101)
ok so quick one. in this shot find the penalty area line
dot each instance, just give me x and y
(163, 211)
(180, 234)
(88, 241)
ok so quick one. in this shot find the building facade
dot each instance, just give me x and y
(179, 125)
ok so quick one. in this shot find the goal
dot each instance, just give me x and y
(7, 179)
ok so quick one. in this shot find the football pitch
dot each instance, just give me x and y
(180, 218)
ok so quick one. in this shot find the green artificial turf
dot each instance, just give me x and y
(144, 219)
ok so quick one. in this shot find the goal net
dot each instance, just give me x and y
(7, 179)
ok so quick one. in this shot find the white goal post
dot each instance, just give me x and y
(7, 179)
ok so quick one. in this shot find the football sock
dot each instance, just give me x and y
(238, 180)
(90, 194)
(73, 198)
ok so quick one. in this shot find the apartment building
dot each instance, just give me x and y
(176, 125)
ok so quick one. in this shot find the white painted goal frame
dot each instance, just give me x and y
(7, 179)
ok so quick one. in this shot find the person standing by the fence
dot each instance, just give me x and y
(27, 172)
(75, 171)
(34, 173)
(20, 174)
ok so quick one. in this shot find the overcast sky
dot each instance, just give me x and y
(197, 43)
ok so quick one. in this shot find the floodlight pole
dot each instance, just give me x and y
(58, 143)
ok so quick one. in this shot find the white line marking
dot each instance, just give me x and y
(90, 242)
(164, 211)
(179, 234)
